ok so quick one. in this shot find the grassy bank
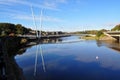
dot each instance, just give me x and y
(89, 38)
(102, 37)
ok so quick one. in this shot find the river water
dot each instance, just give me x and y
(71, 58)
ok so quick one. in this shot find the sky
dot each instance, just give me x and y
(62, 15)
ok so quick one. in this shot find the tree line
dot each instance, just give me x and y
(7, 28)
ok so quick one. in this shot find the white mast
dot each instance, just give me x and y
(39, 46)
(36, 57)
(36, 60)
(34, 21)
(42, 58)
(41, 18)
(41, 52)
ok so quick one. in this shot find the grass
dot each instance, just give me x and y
(89, 38)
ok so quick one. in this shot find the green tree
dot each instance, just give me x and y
(19, 29)
(25, 30)
(7, 28)
(99, 34)
(116, 28)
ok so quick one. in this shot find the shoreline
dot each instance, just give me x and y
(102, 38)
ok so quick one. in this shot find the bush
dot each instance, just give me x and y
(99, 34)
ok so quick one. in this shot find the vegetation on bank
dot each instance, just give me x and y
(116, 28)
(100, 34)
(18, 29)
(7, 28)
(88, 37)
(96, 36)
(86, 32)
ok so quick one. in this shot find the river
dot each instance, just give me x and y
(71, 58)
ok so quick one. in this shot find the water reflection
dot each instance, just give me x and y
(110, 44)
(43, 63)
(71, 39)
(111, 56)
(39, 50)
(9, 69)
(53, 40)
(84, 60)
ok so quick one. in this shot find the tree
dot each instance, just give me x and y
(19, 29)
(116, 28)
(99, 34)
(7, 28)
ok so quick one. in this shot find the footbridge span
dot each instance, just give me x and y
(114, 34)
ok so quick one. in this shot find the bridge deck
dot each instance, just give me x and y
(114, 34)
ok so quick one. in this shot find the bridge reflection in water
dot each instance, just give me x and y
(11, 70)
(9, 48)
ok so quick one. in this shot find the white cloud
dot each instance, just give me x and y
(37, 18)
(5, 3)
(12, 9)
(51, 19)
(54, 4)
(22, 17)
(45, 5)
(61, 1)
(50, 4)
(56, 1)
(111, 24)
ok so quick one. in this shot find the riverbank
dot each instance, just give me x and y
(107, 38)
(30, 41)
(104, 38)
(89, 38)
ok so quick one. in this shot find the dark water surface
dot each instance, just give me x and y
(71, 59)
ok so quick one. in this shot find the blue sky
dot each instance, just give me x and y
(63, 15)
